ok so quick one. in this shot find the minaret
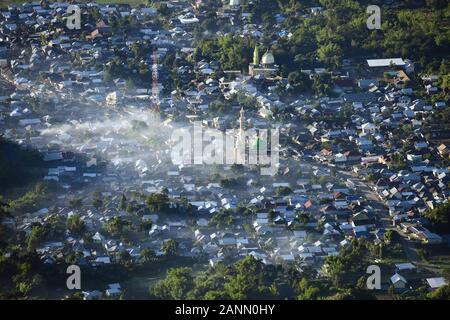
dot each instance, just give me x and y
(241, 122)
(256, 56)
(239, 147)
(155, 82)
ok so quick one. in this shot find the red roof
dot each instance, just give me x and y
(308, 204)
(101, 24)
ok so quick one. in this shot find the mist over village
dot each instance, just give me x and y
(225, 150)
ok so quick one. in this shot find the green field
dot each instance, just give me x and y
(5, 3)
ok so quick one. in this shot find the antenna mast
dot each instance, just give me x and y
(155, 81)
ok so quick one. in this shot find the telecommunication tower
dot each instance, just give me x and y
(155, 81)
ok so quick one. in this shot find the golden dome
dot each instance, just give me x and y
(267, 58)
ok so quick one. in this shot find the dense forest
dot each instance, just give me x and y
(417, 30)
(249, 278)
(18, 166)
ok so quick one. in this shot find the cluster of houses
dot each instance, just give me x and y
(385, 142)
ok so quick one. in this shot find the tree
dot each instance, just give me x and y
(440, 217)
(76, 225)
(299, 81)
(158, 202)
(303, 218)
(283, 191)
(330, 54)
(222, 219)
(116, 225)
(176, 285)
(31, 200)
(446, 273)
(4, 209)
(97, 201)
(18, 166)
(306, 291)
(170, 247)
(146, 224)
(37, 235)
(388, 236)
(75, 203)
(232, 52)
(247, 280)
(146, 255)
(335, 269)
(125, 258)
(311, 293)
(322, 84)
(123, 202)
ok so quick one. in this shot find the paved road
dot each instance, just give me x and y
(386, 221)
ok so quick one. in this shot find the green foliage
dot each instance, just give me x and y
(222, 219)
(303, 218)
(75, 203)
(283, 191)
(18, 166)
(176, 285)
(76, 225)
(246, 279)
(322, 84)
(345, 268)
(123, 202)
(330, 54)
(418, 32)
(146, 224)
(116, 225)
(307, 291)
(388, 236)
(97, 200)
(398, 161)
(233, 52)
(125, 259)
(31, 200)
(170, 247)
(439, 217)
(38, 234)
(299, 81)
(146, 255)
(442, 293)
(158, 202)
(229, 182)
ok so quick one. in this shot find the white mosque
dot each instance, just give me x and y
(265, 67)
(240, 141)
(230, 9)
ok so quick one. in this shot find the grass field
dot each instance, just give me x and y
(5, 3)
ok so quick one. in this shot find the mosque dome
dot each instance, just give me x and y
(267, 58)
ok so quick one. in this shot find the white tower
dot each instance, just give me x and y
(239, 147)
(241, 121)
(155, 81)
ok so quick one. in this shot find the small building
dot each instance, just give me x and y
(398, 281)
(437, 282)
(265, 67)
